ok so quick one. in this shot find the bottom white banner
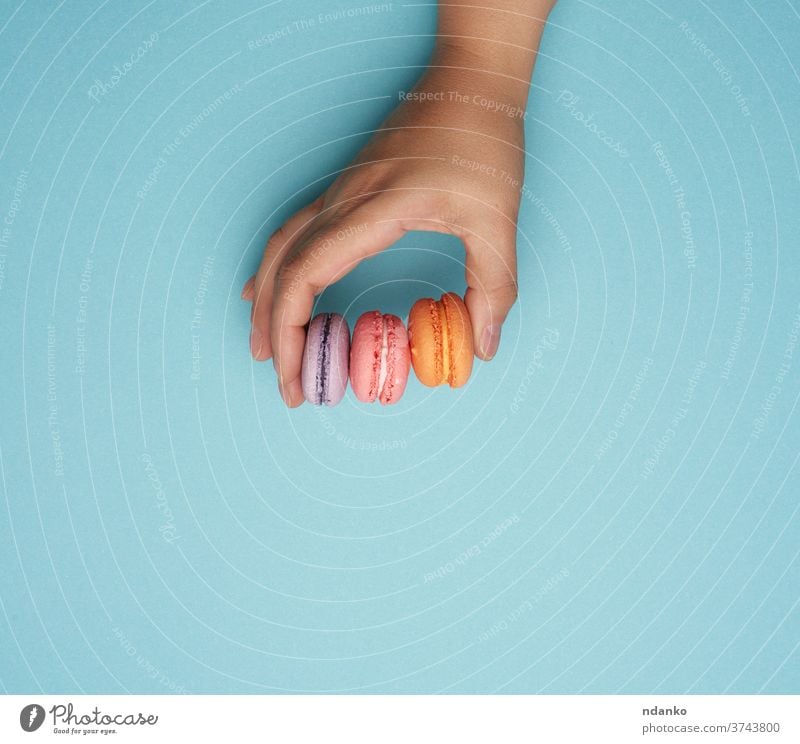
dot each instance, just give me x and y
(394, 719)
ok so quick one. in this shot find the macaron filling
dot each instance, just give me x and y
(323, 361)
(384, 368)
(447, 345)
(438, 341)
(377, 362)
(392, 355)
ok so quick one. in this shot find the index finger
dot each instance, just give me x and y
(323, 258)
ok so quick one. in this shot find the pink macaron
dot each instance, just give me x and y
(379, 358)
(323, 374)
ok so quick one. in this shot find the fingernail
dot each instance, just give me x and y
(248, 290)
(255, 342)
(282, 391)
(490, 340)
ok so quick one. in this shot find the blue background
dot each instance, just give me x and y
(609, 506)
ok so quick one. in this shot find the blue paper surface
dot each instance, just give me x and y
(611, 505)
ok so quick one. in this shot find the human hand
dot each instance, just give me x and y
(450, 158)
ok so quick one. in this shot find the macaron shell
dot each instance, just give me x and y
(324, 370)
(440, 335)
(365, 356)
(459, 339)
(338, 371)
(311, 353)
(425, 340)
(398, 360)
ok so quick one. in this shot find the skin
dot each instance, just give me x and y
(447, 161)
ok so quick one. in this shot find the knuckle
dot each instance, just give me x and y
(294, 274)
(451, 205)
(276, 240)
(288, 272)
(261, 293)
(507, 292)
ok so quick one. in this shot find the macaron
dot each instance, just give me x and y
(379, 358)
(325, 360)
(440, 337)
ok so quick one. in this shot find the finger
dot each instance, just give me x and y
(318, 260)
(491, 284)
(249, 289)
(278, 245)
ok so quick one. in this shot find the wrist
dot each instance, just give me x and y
(468, 68)
(496, 45)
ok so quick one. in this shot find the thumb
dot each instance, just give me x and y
(491, 284)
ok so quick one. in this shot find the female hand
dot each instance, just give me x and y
(450, 158)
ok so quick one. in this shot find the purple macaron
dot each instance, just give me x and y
(325, 360)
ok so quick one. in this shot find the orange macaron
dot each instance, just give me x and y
(440, 337)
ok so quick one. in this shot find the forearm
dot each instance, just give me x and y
(498, 43)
